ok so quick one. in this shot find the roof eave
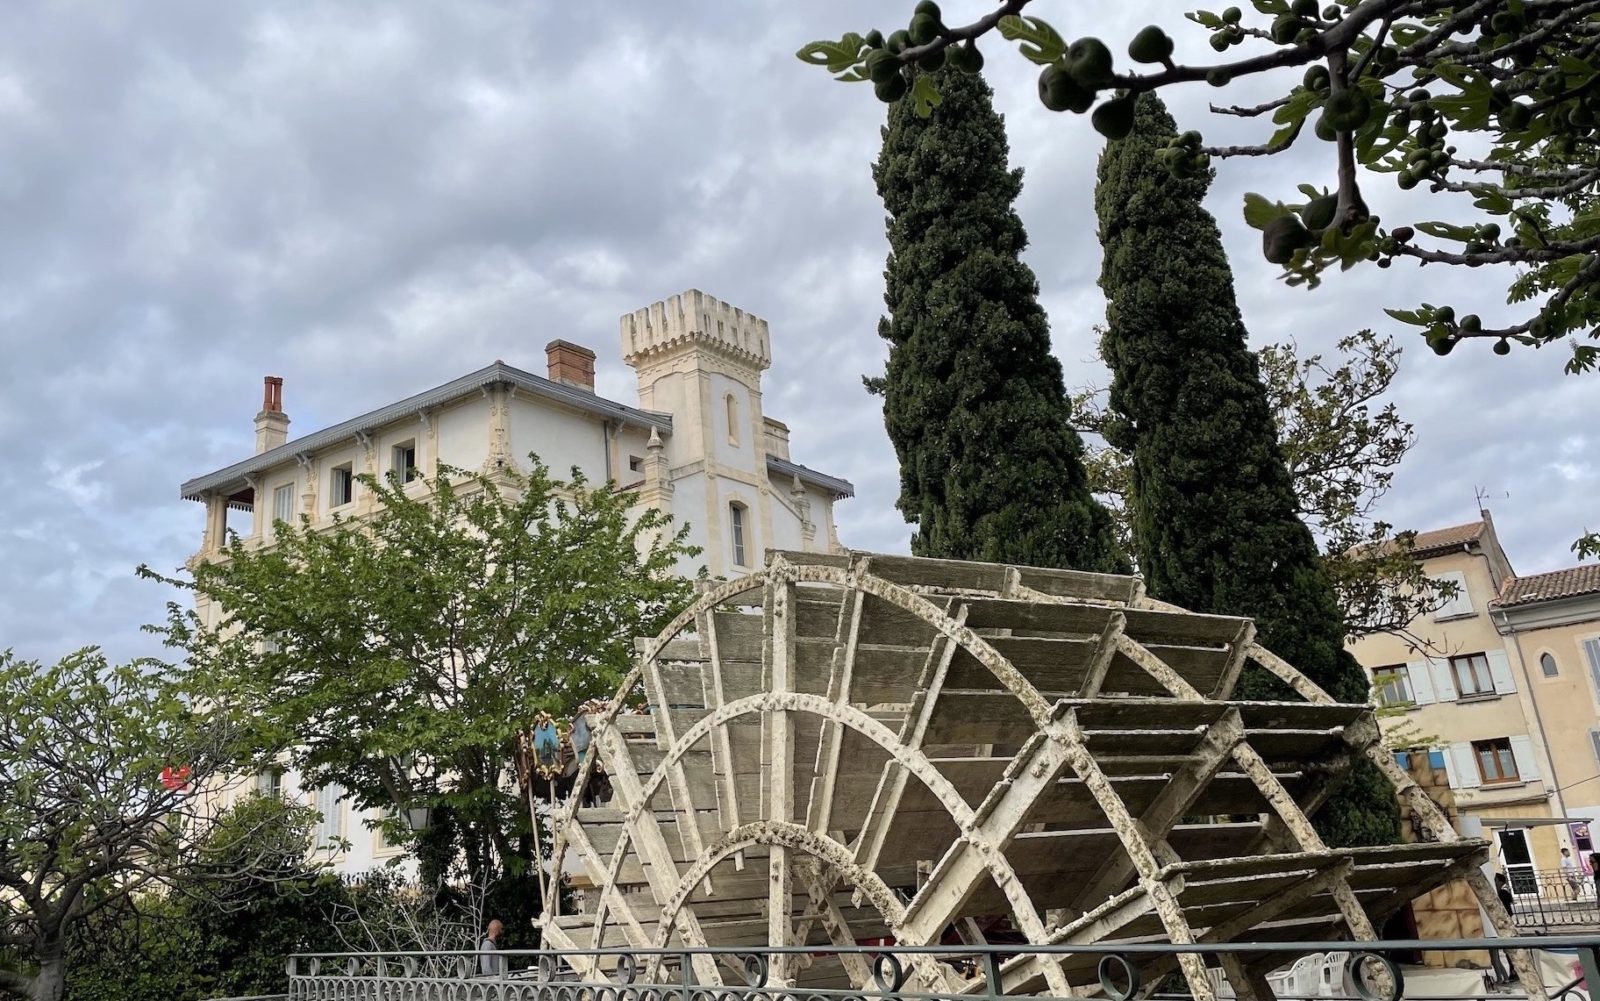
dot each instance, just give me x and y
(232, 478)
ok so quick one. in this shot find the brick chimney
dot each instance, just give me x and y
(571, 364)
(272, 424)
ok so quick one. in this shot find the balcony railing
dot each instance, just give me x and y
(1362, 971)
(1553, 899)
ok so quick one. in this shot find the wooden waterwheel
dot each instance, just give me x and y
(855, 749)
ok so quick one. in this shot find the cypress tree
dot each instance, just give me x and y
(990, 466)
(1214, 517)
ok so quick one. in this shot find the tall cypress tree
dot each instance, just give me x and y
(1215, 523)
(990, 466)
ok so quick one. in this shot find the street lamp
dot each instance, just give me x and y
(419, 818)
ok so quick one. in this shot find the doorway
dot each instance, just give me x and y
(1518, 860)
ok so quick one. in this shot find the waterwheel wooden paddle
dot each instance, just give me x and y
(859, 748)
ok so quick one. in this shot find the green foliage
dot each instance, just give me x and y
(1342, 445)
(209, 938)
(990, 467)
(1215, 519)
(91, 810)
(402, 655)
(1492, 106)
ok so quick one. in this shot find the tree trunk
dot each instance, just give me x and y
(51, 980)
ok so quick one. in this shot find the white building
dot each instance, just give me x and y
(697, 445)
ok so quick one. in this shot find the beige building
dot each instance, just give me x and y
(697, 445)
(1506, 678)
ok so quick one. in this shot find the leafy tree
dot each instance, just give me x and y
(205, 938)
(1492, 105)
(1215, 519)
(402, 656)
(990, 467)
(101, 768)
(1342, 445)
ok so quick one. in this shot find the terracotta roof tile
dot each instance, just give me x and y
(1448, 538)
(1568, 583)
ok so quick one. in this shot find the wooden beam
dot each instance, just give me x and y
(721, 750)
(778, 754)
(892, 783)
(1183, 787)
(820, 809)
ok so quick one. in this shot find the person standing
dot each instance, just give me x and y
(1569, 872)
(1497, 957)
(490, 964)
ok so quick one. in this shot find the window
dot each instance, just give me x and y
(270, 782)
(635, 463)
(1591, 650)
(1392, 686)
(329, 827)
(1472, 677)
(342, 485)
(1547, 664)
(403, 461)
(736, 521)
(1496, 763)
(733, 420)
(1458, 605)
(283, 502)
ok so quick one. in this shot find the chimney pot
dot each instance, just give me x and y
(571, 364)
(272, 394)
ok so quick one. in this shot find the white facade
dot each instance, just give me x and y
(697, 446)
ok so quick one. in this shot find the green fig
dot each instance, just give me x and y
(1516, 117)
(924, 29)
(929, 8)
(874, 39)
(1114, 118)
(892, 89)
(1471, 323)
(1232, 15)
(1219, 41)
(898, 41)
(1089, 62)
(1502, 347)
(965, 57)
(1150, 45)
(1317, 80)
(1318, 212)
(1444, 314)
(1219, 77)
(1403, 234)
(1347, 110)
(1442, 345)
(882, 64)
(1285, 27)
(1305, 8)
(932, 62)
(1282, 237)
(1324, 131)
(1059, 92)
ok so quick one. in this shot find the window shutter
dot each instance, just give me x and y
(1461, 604)
(1591, 650)
(1594, 742)
(1465, 773)
(1444, 684)
(328, 806)
(1527, 763)
(1500, 671)
(1418, 680)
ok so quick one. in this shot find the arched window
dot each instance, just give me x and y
(1547, 664)
(736, 514)
(733, 419)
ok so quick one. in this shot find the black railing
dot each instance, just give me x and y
(1358, 971)
(1554, 898)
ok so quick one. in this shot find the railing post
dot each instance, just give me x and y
(991, 972)
(1589, 959)
(686, 969)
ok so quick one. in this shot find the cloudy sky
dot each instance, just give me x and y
(371, 198)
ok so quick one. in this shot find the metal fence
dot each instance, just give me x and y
(1554, 898)
(1364, 971)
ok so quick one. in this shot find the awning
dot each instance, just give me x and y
(1531, 821)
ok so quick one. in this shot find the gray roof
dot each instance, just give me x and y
(231, 479)
(835, 486)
